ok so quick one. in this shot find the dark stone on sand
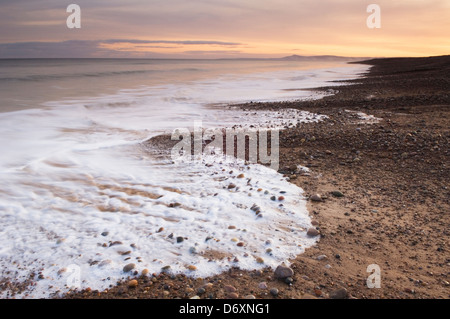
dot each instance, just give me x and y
(337, 194)
(282, 272)
(274, 292)
(339, 294)
(312, 232)
(316, 198)
(180, 239)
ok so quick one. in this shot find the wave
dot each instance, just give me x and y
(43, 77)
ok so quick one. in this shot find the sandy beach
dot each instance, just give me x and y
(384, 196)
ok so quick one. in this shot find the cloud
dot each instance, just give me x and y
(102, 48)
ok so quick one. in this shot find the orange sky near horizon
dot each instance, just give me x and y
(226, 28)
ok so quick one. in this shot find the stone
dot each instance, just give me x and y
(192, 268)
(283, 272)
(312, 232)
(229, 288)
(129, 267)
(231, 186)
(322, 257)
(201, 291)
(341, 293)
(241, 176)
(133, 283)
(105, 233)
(259, 260)
(262, 285)
(274, 292)
(233, 295)
(145, 272)
(250, 297)
(180, 239)
(337, 194)
(316, 198)
(289, 280)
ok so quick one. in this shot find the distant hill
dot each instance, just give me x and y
(320, 58)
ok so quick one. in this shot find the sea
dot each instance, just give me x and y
(82, 195)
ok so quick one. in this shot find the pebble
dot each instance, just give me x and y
(259, 260)
(195, 297)
(231, 186)
(180, 239)
(241, 176)
(234, 240)
(316, 198)
(133, 283)
(262, 285)
(339, 294)
(337, 194)
(274, 292)
(229, 288)
(145, 272)
(281, 198)
(312, 232)
(105, 233)
(192, 268)
(283, 272)
(231, 227)
(160, 230)
(241, 244)
(250, 297)
(322, 257)
(289, 280)
(233, 295)
(129, 267)
(201, 291)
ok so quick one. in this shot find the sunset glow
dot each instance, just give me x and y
(224, 29)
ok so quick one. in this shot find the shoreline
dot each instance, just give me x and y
(394, 209)
(393, 175)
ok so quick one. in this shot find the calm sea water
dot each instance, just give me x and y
(74, 176)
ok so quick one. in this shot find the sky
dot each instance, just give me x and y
(223, 28)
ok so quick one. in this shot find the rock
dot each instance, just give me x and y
(192, 268)
(312, 232)
(201, 291)
(231, 227)
(180, 239)
(241, 244)
(315, 223)
(229, 288)
(250, 297)
(274, 292)
(283, 272)
(233, 295)
(337, 256)
(133, 283)
(281, 198)
(160, 229)
(316, 198)
(322, 257)
(105, 233)
(129, 267)
(289, 280)
(262, 285)
(318, 292)
(259, 260)
(337, 194)
(231, 186)
(145, 272)
(241, 176)
(339, 294)
(195, 297)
